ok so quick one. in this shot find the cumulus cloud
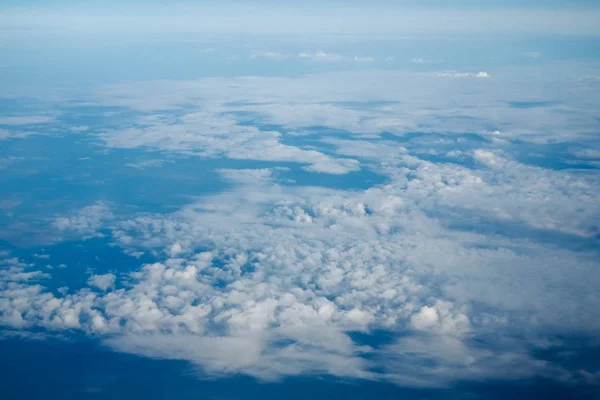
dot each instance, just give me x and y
(102, 282)
(86, 221)
(269, 281)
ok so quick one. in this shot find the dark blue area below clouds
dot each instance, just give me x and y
(53, 369)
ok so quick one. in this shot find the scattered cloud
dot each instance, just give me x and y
(270, 55)
(146, 164)
(321, 56)
(481, 74)
(103, 282)
(26, 120)
(286, 273)
(79, 128)
(360, 59)
(86, 221)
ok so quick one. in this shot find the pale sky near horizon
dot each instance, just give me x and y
(338, 17)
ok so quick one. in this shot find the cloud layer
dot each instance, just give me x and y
(464, 265)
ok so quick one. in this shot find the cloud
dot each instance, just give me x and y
(6, 162)
(26, 120)
(312, 55)
(86, 221)
(403, 102)
(102, 282)
(360, 59)
(146, 164)
(215, 135)
(481, 74)
(270, 55)
(282, 275)
(79, 128)
(321, 56)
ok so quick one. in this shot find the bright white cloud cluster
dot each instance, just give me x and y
(268, 281)
(102, 282)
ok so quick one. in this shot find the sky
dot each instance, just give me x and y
(253, 200)
(385, 18)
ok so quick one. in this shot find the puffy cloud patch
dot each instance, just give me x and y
(86, 221)
(103, 282)
(282, 275)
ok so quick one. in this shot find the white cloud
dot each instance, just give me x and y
(311, 55)
(146, 164)
(103, 282)
(270, 55)
(321, 56)
(362, 59)
(26, 120)
(586, 153)
(86, 221)
(212, 135)
(79, 128)
(285, 272)
(416, 102)
(268, 280)
(481, 74)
